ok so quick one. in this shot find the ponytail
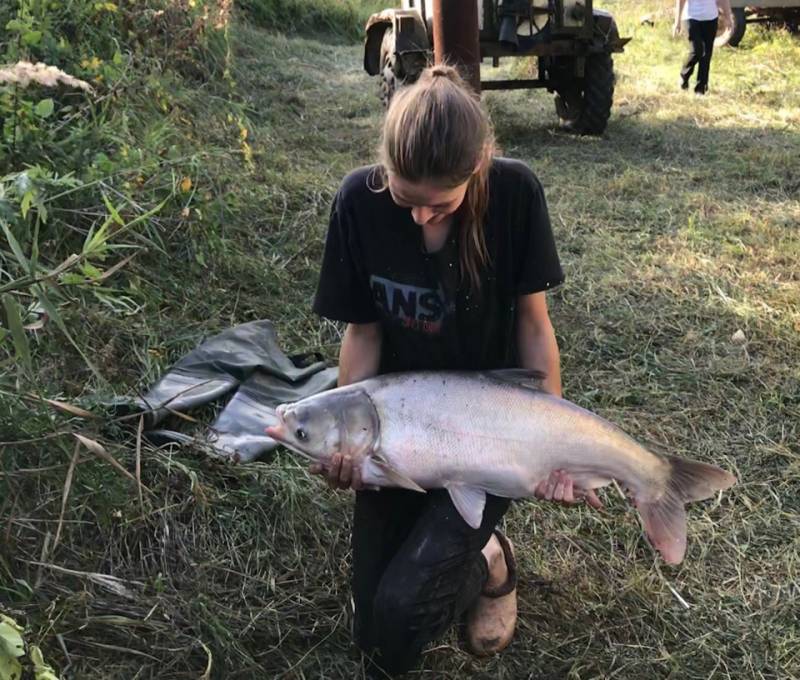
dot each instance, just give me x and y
(436, 130)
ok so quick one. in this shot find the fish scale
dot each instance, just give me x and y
(499, 426)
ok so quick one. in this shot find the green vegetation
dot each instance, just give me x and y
(337, 20)
(213, 163)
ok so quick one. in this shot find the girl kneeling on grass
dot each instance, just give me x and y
(437, 258)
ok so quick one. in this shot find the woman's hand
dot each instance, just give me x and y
(559, 487)
(676, 28)
(341, 473)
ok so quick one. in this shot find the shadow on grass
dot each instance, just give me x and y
(738, 159)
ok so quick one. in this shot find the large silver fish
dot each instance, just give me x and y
(492, 432)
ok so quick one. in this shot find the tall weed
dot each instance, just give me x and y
(89, 155)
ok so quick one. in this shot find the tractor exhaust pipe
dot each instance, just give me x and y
(455, 38)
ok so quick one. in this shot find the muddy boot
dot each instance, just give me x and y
(492, 619)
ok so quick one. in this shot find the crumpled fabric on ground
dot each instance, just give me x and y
(239, 430)
(247, 360)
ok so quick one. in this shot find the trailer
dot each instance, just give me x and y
(772, 12)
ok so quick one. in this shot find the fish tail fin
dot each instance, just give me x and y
(664, 519)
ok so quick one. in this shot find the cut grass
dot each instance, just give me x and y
(327, 20)
(677, 229)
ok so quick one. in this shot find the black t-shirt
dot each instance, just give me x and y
(375, 268)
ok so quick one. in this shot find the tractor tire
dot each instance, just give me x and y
(388, 78)
(584, 106)
(733, 35)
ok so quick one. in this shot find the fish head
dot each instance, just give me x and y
(340, 421)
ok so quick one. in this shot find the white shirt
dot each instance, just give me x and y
(700, 10)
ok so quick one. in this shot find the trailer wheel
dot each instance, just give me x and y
(732, 35)
(584, 106)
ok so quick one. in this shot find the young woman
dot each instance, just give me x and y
(700, 19)
(437, 258)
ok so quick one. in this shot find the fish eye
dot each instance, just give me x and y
(301, 434)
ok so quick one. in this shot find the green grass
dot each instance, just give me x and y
(677, 229)
(326, 20)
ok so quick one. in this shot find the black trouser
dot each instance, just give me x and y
(701, 36)
(417, 566)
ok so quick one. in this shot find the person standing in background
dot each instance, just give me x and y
(700, 19)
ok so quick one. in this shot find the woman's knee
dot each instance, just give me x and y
(394, 609)
(398, 627)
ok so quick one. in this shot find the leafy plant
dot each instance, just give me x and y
(12, 649)
(85, 174)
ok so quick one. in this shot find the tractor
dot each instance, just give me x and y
(572, 41)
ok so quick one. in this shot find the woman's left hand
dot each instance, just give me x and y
(559, 487)
(340, 472)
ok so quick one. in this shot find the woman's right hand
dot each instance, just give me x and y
(676, 29)
(340, 473)
(560, 488)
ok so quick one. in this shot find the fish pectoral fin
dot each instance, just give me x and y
(469, 501)
(393, 476)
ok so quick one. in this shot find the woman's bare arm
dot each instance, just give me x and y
(538, 350)
(676, 26)
(536, 340)
(360, 354)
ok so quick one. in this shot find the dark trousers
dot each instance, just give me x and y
(701, 37)
(417, 566)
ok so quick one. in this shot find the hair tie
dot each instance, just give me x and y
(444, 71)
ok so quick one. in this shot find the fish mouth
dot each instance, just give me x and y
(277, 432)
(280, 434)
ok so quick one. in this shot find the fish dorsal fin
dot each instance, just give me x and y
(469, 501)
(522, 377)
(392, 475)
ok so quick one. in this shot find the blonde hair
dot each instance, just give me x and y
(436, 130)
